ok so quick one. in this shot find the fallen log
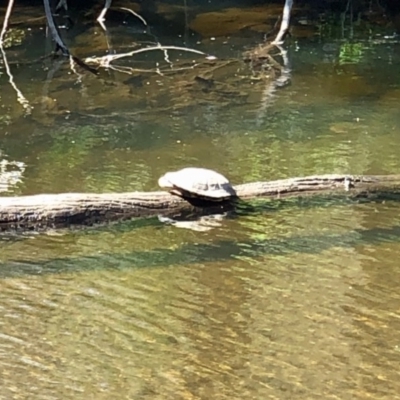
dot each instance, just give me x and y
(28, 212)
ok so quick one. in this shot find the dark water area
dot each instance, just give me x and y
(293, 299)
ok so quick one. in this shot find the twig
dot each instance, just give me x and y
(5, 23)
(101, 18)
(21, 98)
(166, 57)
(106, 60)
(285, 22)
(131, 71)
(107, 5)
(135, 14)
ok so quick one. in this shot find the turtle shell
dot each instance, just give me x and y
(198, 182)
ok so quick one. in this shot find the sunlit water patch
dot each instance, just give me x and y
(269, 300)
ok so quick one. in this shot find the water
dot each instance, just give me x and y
(297, 299)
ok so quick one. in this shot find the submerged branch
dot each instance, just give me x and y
(60, 45)
(87, 208)
(106, 60)
(135, 14)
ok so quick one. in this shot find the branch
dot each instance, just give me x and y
(20, 97)
(82, 208)
(106, 60)
(285, 22)
(59, 42)
(135, 14)
(6, 20)
(101, 18)
(53, 29)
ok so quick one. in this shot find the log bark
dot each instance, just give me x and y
(45, 210)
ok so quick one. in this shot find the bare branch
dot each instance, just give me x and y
(285, 22)
(21, 98)
(5, 23)
(101, 18)
(135, 14)
(106, 60)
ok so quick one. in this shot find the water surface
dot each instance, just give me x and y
(297, 299)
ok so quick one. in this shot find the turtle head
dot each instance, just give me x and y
(165, 181)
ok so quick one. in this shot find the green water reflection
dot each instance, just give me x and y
(286, 300)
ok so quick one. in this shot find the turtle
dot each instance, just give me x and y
(198, 183)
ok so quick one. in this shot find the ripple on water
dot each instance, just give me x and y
(287, 303)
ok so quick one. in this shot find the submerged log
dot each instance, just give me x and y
(27, 212)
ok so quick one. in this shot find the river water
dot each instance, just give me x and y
(297, 299)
